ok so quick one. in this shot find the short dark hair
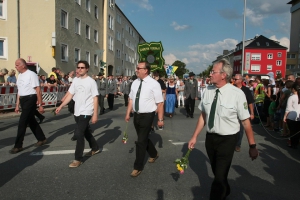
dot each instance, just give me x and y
(148, 67)
(51, 75)
(86, 64)
(53, 68)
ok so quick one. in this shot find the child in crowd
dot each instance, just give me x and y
(272, 109)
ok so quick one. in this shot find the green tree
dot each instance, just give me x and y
(206, 72)
(181, 68)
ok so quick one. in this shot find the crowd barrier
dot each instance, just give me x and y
(50, 96)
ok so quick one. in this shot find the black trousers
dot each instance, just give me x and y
(28, 105)
(82, 131)
(142, 123)
(101, 103)
(294, 127)
(110, 100)
(189, 105)
(220, 150)
(126, 99)
(38, 114)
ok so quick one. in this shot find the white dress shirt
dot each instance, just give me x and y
(27, 82)
(150, 94)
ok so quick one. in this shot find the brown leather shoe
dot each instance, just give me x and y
(135, 173)
(15, 150)
(91, 153)
(237, 149)
(75, 163)
(40, 143)
(152, 160)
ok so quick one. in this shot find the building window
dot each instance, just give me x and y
(111, 3)
(96, 36)
(96, 12)
(257, 43)
(88, 5)
(256, 56)
(267, 44)
(95, 60)
(278, 63)
(118, 36)
(111, 22)
(87, 56)
(269, 67)
(279, 54)
(78, 2)
(255, 68)
(3, 9)
(77, 26)
(110, 43)
(77, 55)
(270, 56)
(3, 48)
(87, 31)
(278, 72)
(292, 56)
(64, 52)
(64, 19)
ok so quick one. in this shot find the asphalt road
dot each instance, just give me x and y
(43, 172)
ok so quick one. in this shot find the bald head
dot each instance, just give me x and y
(20, 65)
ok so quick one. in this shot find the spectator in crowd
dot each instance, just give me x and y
(190, 95)
(51, 82)
(271, 110)
(291, 116)
(53, 73)
(42, 80)
(171, 95)
(259, 96)
(3, 72)
(125, 90)
(291, 77)
(71, 76)
(180, 97)
(111, 91)
(59, 76)
(12, 79)
(65, 80)
(269, 91)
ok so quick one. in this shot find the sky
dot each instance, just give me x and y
(196, 31)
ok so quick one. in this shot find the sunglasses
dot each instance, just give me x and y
(138, 68)
(80, 67)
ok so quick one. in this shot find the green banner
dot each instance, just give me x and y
(152, 53)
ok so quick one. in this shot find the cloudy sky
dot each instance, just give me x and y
(196, 31)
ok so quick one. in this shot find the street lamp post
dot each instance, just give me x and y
(243, 51)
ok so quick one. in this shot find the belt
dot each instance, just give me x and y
(218, 134)
(27, 96)
(138, 113)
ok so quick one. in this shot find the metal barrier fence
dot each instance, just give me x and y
(50, 96)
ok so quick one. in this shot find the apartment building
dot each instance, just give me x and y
(293, 57)
(61, 32)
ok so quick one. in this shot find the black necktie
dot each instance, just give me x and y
(137, 98)
(213, 111)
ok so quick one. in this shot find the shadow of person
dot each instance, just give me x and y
(8, 126)
(198, 162)
(59, 132)
(156, 138)
(102, 123)
(160, 194)
(12, 167)
(57, 117)
(116, 106)
(108, 136)
(9, 141)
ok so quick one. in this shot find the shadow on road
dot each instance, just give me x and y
(108, 136)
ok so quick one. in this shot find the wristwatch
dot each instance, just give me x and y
(252, 146)
(160, 120)
(39, 105)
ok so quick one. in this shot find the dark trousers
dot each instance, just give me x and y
(110, 100)
(258, 110)
(38, 114)
(28, 105)
(220, 150)
(82, 131)
(189, 105)
(126, 99)
(101, 103)
(294, 127)
(142, 123)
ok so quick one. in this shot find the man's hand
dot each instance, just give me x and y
(17, 109)
(192, 142)
(252, 116)
(94, 119)
(160, 123)
(127, 118)
(196, 98)
(41, 109)
(57, 110)
(253, 153)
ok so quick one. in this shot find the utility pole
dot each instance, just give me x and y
(19, 39)
(244, 30)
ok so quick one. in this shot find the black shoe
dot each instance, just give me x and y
(73, 138)
(187, 116)
(192, 116)
(41, 119)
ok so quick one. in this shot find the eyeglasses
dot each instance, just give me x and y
(138, 68)
(80, 67)
(213, 72)
(236, 79)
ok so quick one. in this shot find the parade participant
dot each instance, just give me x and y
(84, 90)
(102, 85)
(29, 97)
(145, 98)
(190, 95)
(222, 106)
(180, 94)
(171, 95)
(238, 80)
(125, 90)
(111, 91)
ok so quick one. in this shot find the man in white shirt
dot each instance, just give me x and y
(145, 98)
(85, 94)
(29, 97)
(222, 106)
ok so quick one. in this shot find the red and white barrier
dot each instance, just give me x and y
(8, 97)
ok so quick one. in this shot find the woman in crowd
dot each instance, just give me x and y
(65, 79)
(171, 94)
(180, 90)
(12, 79)
(291, 116)
(269, 91)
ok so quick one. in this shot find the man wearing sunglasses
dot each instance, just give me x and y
(85, 93)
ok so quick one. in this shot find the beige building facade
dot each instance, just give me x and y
(61, 32)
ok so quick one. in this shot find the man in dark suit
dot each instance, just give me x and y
(190, 94)
(111, 91)
(125, 89)
(101, 84)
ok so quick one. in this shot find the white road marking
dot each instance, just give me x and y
(46, 153)
(182, 143)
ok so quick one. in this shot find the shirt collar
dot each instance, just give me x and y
(223, 88)
(146, 79)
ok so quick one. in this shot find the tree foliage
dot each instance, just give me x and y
(181, 68)
(206, 72)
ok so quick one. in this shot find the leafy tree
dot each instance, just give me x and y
(206, 72)
(181, 68)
